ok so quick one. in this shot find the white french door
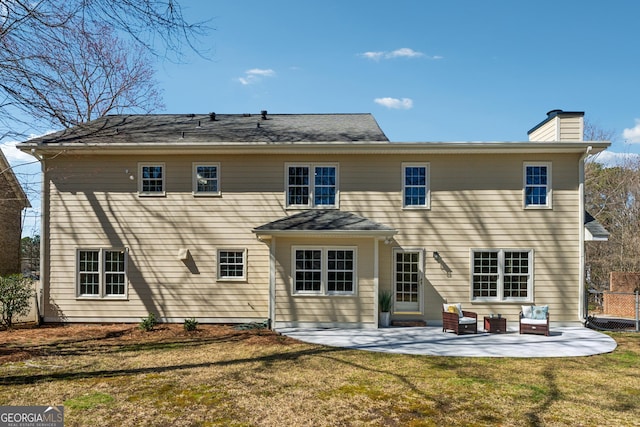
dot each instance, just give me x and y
(408, 269)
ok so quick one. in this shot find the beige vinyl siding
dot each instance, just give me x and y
(468, 212)
(565, 127)
(294, 309)
(476, 202)
(96, 205)
(571, 128)
(546, 132)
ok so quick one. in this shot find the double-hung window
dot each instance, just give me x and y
(415, 186)
(537, 185)
(101, 273)
(324, 271)
(502, 274)
(311, 185)
(232, 264)
(151, 179)
(206, 179)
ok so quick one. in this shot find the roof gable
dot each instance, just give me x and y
(7, 174)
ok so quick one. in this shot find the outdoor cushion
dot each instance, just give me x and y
(453, 308)
(467, 320)
(527, 311)
(527, 321)
(540, 312)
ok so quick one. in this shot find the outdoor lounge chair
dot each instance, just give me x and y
(534, 320)
(455, 319)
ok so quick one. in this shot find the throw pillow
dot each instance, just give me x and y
(540, 312)
(527, 311)
(453, 308)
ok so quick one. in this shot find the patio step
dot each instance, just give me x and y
(408, 323)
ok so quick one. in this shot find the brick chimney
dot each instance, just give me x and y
(559, 126)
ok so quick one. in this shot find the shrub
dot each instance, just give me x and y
(190, 324)
(16, 293)
(148, 322)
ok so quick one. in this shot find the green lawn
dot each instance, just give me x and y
(218, 376)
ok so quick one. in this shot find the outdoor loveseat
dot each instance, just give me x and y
(534, 319)
(455, 319)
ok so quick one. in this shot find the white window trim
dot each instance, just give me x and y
(311, 166)
(195, 180)
(102, 295)
(549, 203)
(500, 288)
(164, 180)
(323, 275)
(427, 200)
(222, 278)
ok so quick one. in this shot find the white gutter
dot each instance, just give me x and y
(581, 289)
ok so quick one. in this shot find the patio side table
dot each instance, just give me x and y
(495, 325)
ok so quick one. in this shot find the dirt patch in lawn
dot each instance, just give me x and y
(28, 341)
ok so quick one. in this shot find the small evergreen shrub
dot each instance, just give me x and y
(16, 293)
(190, 324)
(148, 322)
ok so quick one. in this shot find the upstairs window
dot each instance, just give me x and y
(151, 179)
(312, 185)
(206, 179)
(415, 186)
(537, 185)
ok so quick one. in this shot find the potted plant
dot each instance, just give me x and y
(385, 300)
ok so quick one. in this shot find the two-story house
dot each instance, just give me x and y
(302, 218)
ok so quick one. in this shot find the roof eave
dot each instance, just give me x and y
(340, 147)
(266, 234)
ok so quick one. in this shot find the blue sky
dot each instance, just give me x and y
(427, 70)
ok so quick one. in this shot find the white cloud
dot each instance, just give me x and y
(376, 56)
(395, 103)
(610, 158)
(254, 75)
(13, 155)
(632, 135)
(403, 52)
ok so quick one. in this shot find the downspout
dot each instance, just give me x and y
(582, 313)
(376, 281)
(44, 239)
(272, 283)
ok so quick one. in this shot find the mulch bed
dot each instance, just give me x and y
(28, 341)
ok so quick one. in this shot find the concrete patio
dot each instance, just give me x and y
(568, 341)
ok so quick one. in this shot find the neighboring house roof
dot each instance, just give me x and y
(7, 173)
(194, 128)
(597, 230)
(324, 221)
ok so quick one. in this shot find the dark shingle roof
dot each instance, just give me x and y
(195, 128)
(596, 229)
(324, 221)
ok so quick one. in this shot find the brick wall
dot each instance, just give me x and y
(10, 228)
(620, 301)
